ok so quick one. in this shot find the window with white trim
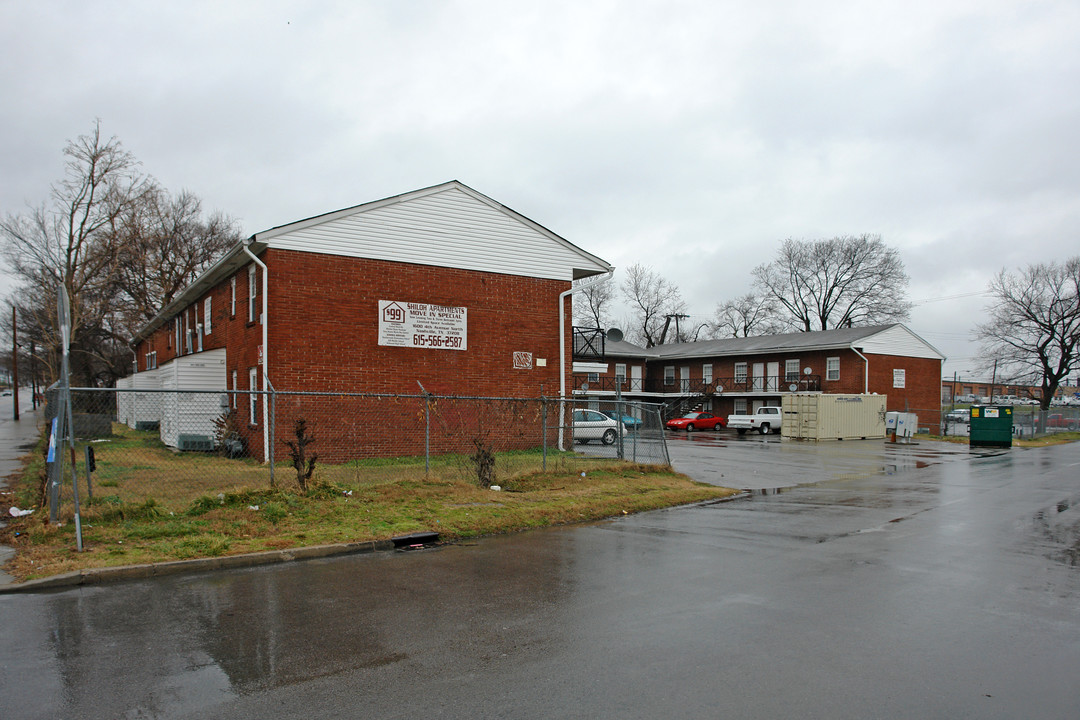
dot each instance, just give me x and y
(791, 370)
(151, 360)
(206, 315)
(740, 406)
(253, 312)
(592, 377)
(669, 375)
(620, 373)
(706, 373)
(740, 372)
(235, 388)
(253, 384)
(832, 368)
(232, 306)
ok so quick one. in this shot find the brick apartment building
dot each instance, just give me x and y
(737, 375)
(441, 287)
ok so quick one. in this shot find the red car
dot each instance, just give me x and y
(697, 421)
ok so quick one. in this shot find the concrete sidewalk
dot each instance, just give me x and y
(17, 438)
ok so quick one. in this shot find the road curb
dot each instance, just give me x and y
(97, 576)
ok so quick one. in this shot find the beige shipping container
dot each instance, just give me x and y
(814, 416)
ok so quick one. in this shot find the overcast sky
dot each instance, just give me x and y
(690, 136)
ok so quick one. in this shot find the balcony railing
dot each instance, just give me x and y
(675, 386)
(588, 342)
(737, 384)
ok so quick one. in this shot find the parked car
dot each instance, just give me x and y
(594, 425)
(697, 421)
(5, 393)
(1057, 420)
(629, 421)
(960, 415)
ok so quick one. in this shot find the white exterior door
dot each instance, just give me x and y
(635, 377)
(773, 377)
(684, 378)
(759, 376)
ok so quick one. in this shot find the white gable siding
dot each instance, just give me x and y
(898, 340)
(449, 229)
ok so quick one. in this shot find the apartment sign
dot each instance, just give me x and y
(422, 325)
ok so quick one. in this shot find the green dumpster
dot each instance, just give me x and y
(991, 426)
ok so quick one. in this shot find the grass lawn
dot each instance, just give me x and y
(152, 504)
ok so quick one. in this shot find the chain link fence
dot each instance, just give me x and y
(174, 447)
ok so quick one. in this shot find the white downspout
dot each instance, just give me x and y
(265, 353)
(562, 339)
(866, 371)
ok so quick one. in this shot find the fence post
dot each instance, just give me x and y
(543, 430)
(427, 433)
(273, 418)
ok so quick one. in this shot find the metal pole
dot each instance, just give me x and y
(89, 486)
(14, 365)
(427, 433)
(273, 418)
(544, 429)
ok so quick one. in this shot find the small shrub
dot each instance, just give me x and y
(274, 512)
(483, 461)
(304, 465)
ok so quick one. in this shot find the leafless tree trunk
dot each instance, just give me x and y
(1034, 325)
(840, 282)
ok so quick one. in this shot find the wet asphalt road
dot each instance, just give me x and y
(895, 586)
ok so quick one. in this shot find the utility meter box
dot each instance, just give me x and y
(991, 426)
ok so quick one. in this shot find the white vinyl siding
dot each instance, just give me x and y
(832, 368)
(898, 340)
(447, 228)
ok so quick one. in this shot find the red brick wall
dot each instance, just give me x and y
(323, 337)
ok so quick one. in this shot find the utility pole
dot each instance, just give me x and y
(14, 365)
(993, 380)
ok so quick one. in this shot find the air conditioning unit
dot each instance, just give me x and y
(195, 443)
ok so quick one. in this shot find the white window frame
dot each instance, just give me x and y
(669, 375)
(232, 309)
(253, 405)
(252, 294)
(235, 377)
(832, 368)
(706, 373)
(740, 372)
(791, 375)
(592, 377)
(740, 406)
(206, 316)
(620, 373)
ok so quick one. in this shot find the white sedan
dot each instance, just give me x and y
(593, 425)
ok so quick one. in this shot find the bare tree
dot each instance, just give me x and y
(69, 242)
(1034, 327)
(164, 244)
(746, 316)
(839, 282)
(654, 301)
(591, 305)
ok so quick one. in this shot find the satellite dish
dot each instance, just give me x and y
(614, 335)
(793, 387)
(806, 371)
(719, 388)
(585, 386)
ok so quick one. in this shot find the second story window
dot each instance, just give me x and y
(832, 368)
(253, 312)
